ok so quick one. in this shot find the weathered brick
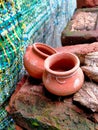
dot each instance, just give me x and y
(81, 50)
(88, 31)
(86, 3)
(91, 3)
(34, 108)
(81, 3)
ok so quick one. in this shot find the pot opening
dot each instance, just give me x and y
(63, 65)
(46, 51)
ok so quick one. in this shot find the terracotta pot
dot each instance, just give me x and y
(62, 75)
(34, 58)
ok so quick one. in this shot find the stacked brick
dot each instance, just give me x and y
(83, 26)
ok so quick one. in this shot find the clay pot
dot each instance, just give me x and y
(62, 75)
(34, 58)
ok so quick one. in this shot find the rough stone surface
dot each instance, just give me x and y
(96, 117)
(32, 107)
(90, 67)
(91, 72)
(91, 59)
(85, 33)
(88, 96)
(84, 21)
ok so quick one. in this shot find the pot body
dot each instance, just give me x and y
(62, 75)
(34, 58)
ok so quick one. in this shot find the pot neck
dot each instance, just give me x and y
(65, 76)
(38, 51)
(43, 50)
(59, 65)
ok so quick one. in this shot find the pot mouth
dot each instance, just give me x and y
(62, 63)
(43, 49)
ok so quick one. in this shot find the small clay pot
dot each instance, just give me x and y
(62, 75)
(34, 58)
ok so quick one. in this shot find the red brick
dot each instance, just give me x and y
(81, 3)
(80, 50)
(86, 3)
(91, 3)
(33, 107)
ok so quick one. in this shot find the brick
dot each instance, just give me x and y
(32, 107)
(86, 3)
(85, 24)
(91, 3)
(81, 3)
(81, 50)
(18, 127)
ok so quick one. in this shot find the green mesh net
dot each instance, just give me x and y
(11, 48)
(11, 52)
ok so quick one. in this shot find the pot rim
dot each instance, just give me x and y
(65, 73)
(47, 47)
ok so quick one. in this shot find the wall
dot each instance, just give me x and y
(48, 20)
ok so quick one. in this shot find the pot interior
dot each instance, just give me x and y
(46, 50)
(63, 65)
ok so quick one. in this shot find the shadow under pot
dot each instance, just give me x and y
(63, 75)
(34, 58)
